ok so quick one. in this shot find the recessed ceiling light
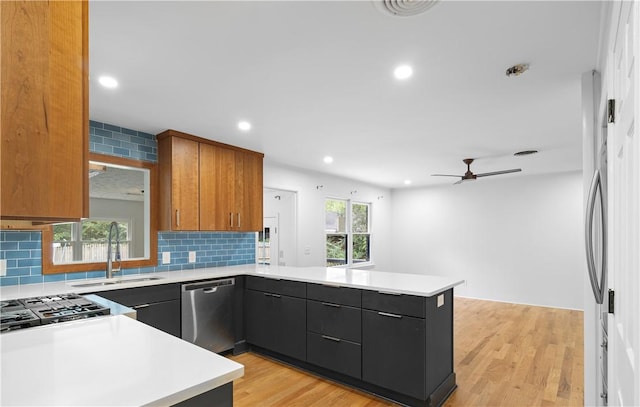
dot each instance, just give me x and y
(244, 126)
(328, 159)
(407, 182)
(108, 82)
(403, 72)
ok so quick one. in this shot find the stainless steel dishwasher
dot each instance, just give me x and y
(207, 314)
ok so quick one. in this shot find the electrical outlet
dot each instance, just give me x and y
(166, 257)
(192, 257)
(3, 267)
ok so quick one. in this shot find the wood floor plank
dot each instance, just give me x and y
(504, 355)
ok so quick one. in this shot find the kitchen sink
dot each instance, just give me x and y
(111, 282)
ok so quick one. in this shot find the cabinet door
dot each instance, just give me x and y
(179, 183)
(217, 188)
(184, 184)
(393, 352)
(248, 195)
(162, 315)
(45, 122)
(276, 323)
(261, 319)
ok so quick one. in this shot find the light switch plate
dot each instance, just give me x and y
(440, 300)
(3, 267)
(166, 257)
(192, 257)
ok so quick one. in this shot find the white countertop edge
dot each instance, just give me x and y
(197, 389)
(402, 283)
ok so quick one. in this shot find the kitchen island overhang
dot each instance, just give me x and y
(110, 360)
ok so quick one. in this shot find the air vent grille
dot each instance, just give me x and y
(404, 8)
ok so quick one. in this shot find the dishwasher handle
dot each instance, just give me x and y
(210, 286)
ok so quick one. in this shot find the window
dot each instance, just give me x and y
(347, 229)
(86, 241)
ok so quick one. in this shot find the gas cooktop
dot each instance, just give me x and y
(28, 312)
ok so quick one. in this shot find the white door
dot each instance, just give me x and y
(624, 207)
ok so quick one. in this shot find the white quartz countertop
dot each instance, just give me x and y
(106, 361)
(403, 283)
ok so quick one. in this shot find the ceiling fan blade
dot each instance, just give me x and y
(486, 174)
(459, 182)
(446, 175)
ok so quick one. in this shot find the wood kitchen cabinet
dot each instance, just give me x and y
(45, 115)
(179, 183)
(222, 184)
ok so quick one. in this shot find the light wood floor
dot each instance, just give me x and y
(505, 355)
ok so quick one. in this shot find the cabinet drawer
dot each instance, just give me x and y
(335, 295)
(143, 295)
(334, 320)
(331, 353)
(271, 285)
(402, 304)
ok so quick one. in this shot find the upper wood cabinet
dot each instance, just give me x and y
(45, 120)
(206, 185)
(179, 184)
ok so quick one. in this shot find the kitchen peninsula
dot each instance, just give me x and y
(401, 348)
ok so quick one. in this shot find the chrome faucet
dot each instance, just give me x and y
(110, 270)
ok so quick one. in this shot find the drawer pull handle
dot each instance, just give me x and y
(272, 295)
(387, 314)
(331, 338)
(388, 293)
(141, 306)
(330, 285)
(328, 304)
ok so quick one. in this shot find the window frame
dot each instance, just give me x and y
(348, 232)
(48, 267)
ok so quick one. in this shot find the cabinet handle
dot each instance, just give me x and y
(388, 293)
(230, 220)
(328, 304)
(177, 217)
(330, 285)
(238, 220)
(387, 314)
(331, 338)
(141, 306)
(272, 295)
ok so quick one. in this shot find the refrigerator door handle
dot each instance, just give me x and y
(598, 288)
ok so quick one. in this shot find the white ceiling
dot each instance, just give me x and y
(315, 79)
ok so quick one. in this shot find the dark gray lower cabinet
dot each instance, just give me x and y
(393, 352)
(334, 354)
(276, 322)
(158, 306)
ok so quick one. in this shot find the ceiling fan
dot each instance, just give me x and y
(471, 176)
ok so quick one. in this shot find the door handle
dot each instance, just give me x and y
(598, 289)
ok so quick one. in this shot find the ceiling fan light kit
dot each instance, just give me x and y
(469, 175)
(517, 70)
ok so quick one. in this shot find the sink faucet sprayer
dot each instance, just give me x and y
(110, 270)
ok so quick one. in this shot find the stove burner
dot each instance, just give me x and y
(51, 309)
(17, 319)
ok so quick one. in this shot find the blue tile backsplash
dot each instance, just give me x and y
(23, 249)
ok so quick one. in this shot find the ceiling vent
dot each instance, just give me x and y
(404, 8)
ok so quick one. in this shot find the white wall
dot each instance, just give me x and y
(310, 245)
(513, 238)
